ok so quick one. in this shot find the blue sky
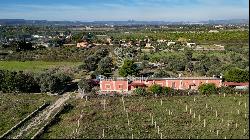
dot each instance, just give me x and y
(92, 10)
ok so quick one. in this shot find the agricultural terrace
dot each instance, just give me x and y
(34, 66)
(204, 117)
(15, 107)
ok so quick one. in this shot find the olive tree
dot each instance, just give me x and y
(52, 81)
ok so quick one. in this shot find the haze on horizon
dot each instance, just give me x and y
(147, 10)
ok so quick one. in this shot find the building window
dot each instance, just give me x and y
(120, 86)
(173, 85)
(107, 86)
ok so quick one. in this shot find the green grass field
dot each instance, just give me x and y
(34, 66)
(88, 119)
(15, 107)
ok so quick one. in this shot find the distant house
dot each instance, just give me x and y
(148, 45)
(219, 46)
(155, 64)
(101, 35)
(130, 43)
(171, 43)
(213, 47)
(148, 48)
(161, 41)
(42, 44)
(88, 28)
(69, 36)
(37, 36)
(82, 44)
(218, 26)
(61, 34)
(190, 45)
(213, 31)
(109, 40)
(126, 44)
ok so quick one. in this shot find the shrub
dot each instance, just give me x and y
(8, 81)
(90, 63)
(140, 91)
(161, 73)
(52, 81)
(86, 85)
(104, 66)
(166, 90)
(237, 75)
(207, 88)
(155, 89)
(25, 82)
(128, 68)
(226, 90)
(17, 82)
(231, 90)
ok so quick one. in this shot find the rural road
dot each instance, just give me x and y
(37, 122)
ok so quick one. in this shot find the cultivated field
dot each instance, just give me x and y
(15, 107)
(34, 66)
(176, 117)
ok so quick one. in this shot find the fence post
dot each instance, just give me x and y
(204, 122)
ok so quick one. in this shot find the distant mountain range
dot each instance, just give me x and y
(129, 22)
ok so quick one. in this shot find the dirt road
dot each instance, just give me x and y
(36, 122)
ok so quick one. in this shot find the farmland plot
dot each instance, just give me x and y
(148, 117)
(34, 66)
